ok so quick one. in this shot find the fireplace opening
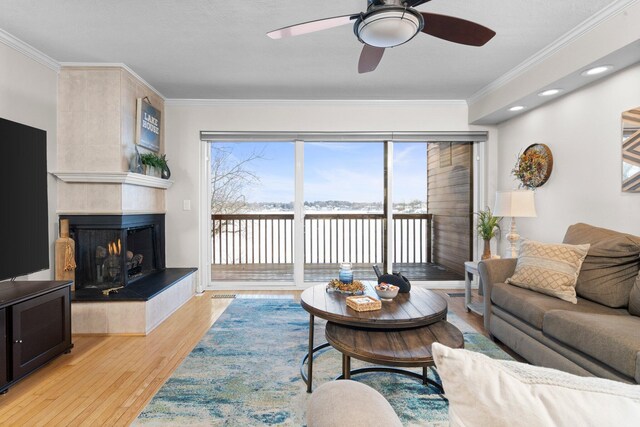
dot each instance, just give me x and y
(116, 250)
(140, 260)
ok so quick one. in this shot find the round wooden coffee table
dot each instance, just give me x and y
(396, 348)
(420, 307)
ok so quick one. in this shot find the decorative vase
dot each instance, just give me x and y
(166, 172)
(486, 253)
(346, 273)
(152, 171)
(136, 163)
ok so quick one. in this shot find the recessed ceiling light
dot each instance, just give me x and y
(550, 92)
(596, 70)
(517, 108)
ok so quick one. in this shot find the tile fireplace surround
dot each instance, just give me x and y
(96, 140)
(116, 250)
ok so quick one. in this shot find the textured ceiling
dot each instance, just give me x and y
(218, 49)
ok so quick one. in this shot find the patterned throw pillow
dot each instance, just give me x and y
(550, 269)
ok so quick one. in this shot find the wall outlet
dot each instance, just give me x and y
(186, 205)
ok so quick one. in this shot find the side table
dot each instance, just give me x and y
(471, 268)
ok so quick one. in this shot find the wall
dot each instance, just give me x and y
(583, 130)
(28, 94)
(97, 127)
(185, 119)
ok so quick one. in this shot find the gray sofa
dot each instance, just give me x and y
(598, 336)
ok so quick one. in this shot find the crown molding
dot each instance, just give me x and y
(113, 65)
(177, 102)
(608, 12)
(29, 51)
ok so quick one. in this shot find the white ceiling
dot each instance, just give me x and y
(218, 49)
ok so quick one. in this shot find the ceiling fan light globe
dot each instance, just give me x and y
(388, 28)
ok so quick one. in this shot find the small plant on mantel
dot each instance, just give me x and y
(153, 164)
(488, 226)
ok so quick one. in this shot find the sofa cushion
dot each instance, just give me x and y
(531, 306)
(611, 266)
(551, 269)
(611, 339)
(487, 392)
(634, 298)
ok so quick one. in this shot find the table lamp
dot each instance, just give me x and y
(514, 204)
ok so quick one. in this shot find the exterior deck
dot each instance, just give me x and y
(259, 247)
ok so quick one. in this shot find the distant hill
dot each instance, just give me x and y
(415, 206)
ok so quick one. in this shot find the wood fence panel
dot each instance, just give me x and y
(450, 200)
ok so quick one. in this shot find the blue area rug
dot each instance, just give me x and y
(245, 372)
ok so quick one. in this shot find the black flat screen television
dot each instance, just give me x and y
(24, 219)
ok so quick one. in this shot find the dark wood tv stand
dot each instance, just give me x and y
(35, 324)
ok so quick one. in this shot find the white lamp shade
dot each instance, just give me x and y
(516, 203)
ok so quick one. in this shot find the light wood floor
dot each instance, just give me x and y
(108, 380)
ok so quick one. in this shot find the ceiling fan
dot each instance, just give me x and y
(389, 23)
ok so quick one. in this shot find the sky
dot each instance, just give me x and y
(334, 171)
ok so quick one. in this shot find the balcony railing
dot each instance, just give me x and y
(328, 238)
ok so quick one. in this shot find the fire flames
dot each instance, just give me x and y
(115, 248)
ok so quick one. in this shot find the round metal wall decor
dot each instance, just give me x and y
(534, 166)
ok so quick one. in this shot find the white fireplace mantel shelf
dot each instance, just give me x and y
(114, 178)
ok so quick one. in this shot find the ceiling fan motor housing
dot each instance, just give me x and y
(388, 25)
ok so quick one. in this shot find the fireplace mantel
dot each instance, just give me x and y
(129, 178)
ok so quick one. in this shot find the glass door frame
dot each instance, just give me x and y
(204, 280)
(298, 215)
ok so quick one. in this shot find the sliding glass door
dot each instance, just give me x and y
(411, 221)
(252, 194)
(291, 212)
(343, 208)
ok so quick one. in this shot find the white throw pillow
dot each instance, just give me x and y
(487, 392)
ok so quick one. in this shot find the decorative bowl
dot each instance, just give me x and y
(354, 288)
(386, 292)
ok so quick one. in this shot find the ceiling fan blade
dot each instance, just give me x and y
(369, 58)
(311, 26)
(456, 30)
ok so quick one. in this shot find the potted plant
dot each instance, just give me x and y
(152, 164)
(488, 226)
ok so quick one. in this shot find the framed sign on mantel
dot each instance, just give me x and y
(147, 125)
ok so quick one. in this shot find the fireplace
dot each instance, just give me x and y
(116, 250)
